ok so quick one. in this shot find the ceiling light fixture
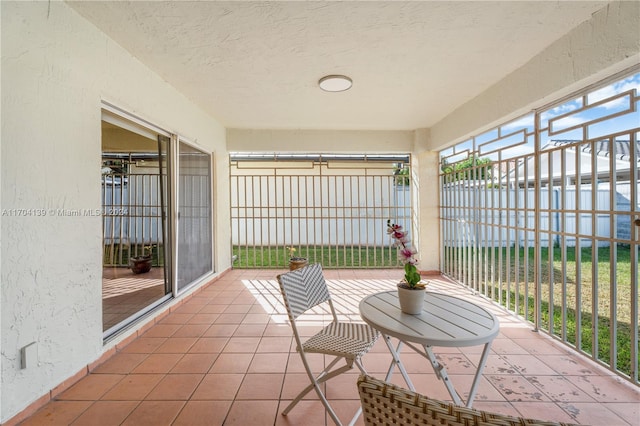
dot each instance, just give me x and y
(335, 83)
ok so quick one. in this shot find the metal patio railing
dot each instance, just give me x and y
(542, 215)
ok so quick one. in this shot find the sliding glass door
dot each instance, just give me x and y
(136, 247)
(194, 236)
(157, 223)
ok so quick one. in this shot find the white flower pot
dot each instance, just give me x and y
(411, 301)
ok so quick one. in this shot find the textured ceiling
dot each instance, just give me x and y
(257, 64)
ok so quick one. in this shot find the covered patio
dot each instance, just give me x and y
(226, 355)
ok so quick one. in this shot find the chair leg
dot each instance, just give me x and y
(316, 381)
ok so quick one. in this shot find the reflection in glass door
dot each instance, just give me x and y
(134, 202)
(195, 248)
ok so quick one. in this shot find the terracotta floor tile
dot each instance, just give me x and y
(175, 318)
(504, 407)
(499, 364)
(242, 345)
(629, 411)
(237, 309)
(305, 412)
(269, 363)
(162, 330)
(485, 391)
(210, 345)
(106, 413)
(345, 410)
(415, 363)
(606, 388)
(194, 363)
(91, 387)
(121, 363)
(57, 413)
(230, 318)
(377, 363)
(275, 344)
(456, 364)
(559, 389)
(175, 387)
(144, 345)
(249, 330)
(256, 318)
(546, 411)
(154, 413)
(278, 330)
(254, 413)
(516, 388)
(593, 414)
(260, 387)
(220, 330)
(540, 346)
(427, 384)
(259, 308)
(213, 309)
(529, 364)
(176, 345)
(203, 413)
(157, 363)
(203, 318)
(295, 365)
(134, 387)
(343, 386)
(294, 383)
(232, 363)
(506, 346)
(192, 330)
(191, 307)
(568, 365)
(218, 387)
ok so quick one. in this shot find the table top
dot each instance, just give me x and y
(445, 320)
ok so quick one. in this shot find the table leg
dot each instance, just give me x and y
(476, 379)
(395, 362)
(441, 373)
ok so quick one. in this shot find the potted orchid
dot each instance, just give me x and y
(411, 299)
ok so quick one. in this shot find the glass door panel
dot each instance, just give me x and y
(133, 191)
(195, 252)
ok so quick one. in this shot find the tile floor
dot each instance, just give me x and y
(227, 357)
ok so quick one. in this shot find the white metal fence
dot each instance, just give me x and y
(332, 210)
(132, 216)
(550, 227)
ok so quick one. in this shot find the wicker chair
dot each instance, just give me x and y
(302, 290)
(386, 404)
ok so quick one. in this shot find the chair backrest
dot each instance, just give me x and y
(384, 403)
(303, 289)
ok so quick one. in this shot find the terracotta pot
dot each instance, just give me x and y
(411, 300)
(297, 263)
(140, 265)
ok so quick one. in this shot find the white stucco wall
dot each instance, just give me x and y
(56, 69)
(605, 44)
(319, 141)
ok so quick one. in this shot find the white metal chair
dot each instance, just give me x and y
(302, 290)
(388, 404)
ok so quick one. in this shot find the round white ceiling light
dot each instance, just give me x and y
(335, 83)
